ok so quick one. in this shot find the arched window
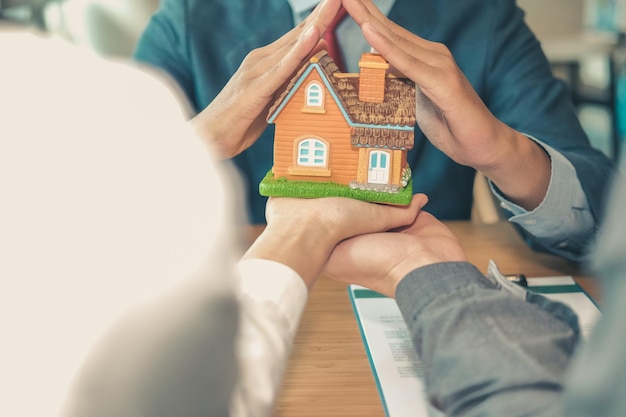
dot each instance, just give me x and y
(312, 152)
(314, 95)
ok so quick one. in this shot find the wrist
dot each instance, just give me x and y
(404, 268)
(301, 249)
(204, 126)
(521, 169)
(503, 149)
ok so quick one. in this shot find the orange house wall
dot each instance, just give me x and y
(362, 168)
(292, 124)
(397, 164)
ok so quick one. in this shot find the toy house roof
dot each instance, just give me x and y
(388, 124)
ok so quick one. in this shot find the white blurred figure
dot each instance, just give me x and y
(101, 208)
(123, 289)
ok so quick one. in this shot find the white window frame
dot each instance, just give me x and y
(312, 152)
(314, 95)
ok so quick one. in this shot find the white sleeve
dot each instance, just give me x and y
(272, 299)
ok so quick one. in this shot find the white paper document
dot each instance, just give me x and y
(395, 365)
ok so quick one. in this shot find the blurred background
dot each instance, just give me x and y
(583, 39)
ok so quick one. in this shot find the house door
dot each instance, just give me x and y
(378, 172)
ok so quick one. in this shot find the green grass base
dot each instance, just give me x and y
(282, 187)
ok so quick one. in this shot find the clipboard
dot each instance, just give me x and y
(394, 363)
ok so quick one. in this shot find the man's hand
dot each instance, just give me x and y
(379, 261)
(236, 117)
(301, 233)
(452, 115)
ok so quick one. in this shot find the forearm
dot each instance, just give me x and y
(502, 348)
(302, 249)
(520, 168)
(217, 124)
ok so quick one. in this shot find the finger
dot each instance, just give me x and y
(323, 14)
(279, 60)
(402, 45)
(427, 63)
(320, 18)
(387, 217)
(426, 69)
(365, 11)
(321, 45)
(427, 225)
(276, 70)
(298, 42)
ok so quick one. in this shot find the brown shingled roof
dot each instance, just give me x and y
(398, 108)
(382, 138)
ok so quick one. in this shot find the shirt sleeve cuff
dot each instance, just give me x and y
(564, 194)
(423, 285)
(270, 282)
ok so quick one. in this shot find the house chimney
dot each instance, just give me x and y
(372, 78)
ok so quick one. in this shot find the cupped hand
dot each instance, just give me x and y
(301, 233)
(236, 117)
(379, 261)
(338, 218)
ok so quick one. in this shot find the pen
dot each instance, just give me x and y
(519, 279)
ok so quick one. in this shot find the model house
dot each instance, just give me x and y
(352, 130)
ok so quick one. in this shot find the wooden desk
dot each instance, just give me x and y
(329, 373)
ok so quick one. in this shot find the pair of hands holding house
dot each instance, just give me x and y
(449, 112)
(374, 245)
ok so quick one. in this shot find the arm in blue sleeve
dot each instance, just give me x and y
(486, 350)
(521, 91)
(563, 223)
